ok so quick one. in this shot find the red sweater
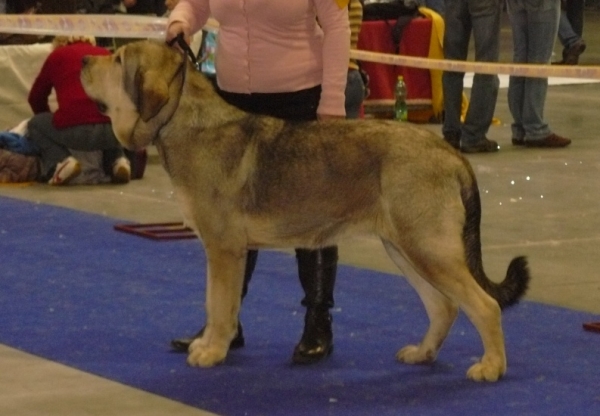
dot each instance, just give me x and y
(61, 71)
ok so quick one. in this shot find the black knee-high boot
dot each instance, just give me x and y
(316, 269)
(183, 344)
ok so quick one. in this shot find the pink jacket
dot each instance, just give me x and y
(276, 45)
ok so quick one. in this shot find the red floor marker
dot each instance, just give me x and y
(158, 231)
(592, 326)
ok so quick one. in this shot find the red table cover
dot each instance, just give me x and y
(376, 36)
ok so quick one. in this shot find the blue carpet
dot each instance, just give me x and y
(74, 291)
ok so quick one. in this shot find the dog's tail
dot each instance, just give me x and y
(516, 282)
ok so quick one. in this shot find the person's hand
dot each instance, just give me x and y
(174, 29)
(323, 117)
(170, 4)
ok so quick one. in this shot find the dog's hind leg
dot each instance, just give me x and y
(440, 309)
(485, 314)
(439, 262)
(223, 292)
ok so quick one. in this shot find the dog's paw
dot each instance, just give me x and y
(203, 356)
(486, 372)
(414, 354)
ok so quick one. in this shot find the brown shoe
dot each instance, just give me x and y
(553, 140)
(571, 54)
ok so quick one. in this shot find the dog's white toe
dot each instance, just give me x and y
(414, 354)
(199, 342)
(485, 372)
(206, 357)
(205, 354)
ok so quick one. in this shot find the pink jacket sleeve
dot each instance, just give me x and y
(192, 13)
(336, 55)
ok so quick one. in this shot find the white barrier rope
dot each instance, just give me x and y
(108, 26)
(124, 26)
(524, 70)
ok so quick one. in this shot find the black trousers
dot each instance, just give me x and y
(293, 106)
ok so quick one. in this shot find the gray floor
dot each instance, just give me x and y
(541, 203)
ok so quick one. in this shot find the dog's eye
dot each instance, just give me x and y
(101, 107)
(118, 59)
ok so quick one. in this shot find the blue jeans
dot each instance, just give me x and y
(566, 34)
(534, 30)
(355, 93)
(54, 144)
(482, 18)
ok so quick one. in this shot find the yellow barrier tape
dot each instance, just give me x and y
(124, 26)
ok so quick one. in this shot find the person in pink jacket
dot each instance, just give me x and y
(287, 59)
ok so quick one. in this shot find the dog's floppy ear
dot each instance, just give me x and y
(147, 78)
(153, 92)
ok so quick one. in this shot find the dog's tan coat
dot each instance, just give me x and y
(246, 181)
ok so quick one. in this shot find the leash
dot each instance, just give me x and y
(183, 45)
(186, 50)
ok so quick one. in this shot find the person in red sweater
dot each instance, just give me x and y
(77, 124)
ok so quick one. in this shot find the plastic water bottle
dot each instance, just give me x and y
(400, 108)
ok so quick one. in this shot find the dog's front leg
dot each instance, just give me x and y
(223, 292)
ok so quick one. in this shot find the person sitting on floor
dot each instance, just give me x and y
(77, 124)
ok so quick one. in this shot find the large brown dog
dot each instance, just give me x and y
(247, 181)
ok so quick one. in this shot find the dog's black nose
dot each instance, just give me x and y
(85, 60)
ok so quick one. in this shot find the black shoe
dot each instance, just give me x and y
(453, 139)
(304, 354)
(483, 146)
(183, 344)
(317, 270)
(317, 339)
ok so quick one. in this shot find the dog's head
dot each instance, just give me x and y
(138, 87)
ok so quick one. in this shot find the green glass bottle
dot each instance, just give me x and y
(400, 107)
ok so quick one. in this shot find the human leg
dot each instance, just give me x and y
(542, 29)
(456, 47)
(533, 35)
(42, 133)
(93, 137)
(574, 12)
(116, 164)
(516, 85)
(55, 143)
(317, 271)
(573, 44)
(566, 34)
(484, 93)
